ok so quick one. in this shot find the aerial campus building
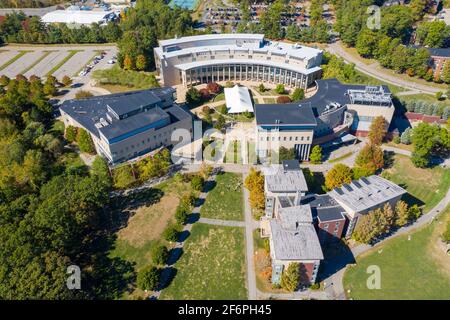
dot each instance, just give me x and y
(127, 125)
(236, 57)
(333, 112)
(299, 223)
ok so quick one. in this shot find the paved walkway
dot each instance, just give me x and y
(224, 223)
(374, 70)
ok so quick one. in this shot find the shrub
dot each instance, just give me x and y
(82, 94)
(298, 94)
(123, 177)
(205, 95)
(84, 141)
(283, 99)
(290, 278)
(159, 254)
(315, 286)
(71, 134)
(148, 278)
(396, 139)
(197, 183)
(316, 155)
(193, 96)
(222, 109)
(206, 110)
(261, 87)
(66, 81)
(213, 87)
(181, 214)
(171, 233)
(280, 89)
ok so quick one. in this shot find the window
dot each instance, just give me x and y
(325, 226)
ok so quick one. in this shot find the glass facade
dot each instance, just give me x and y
(246, 72)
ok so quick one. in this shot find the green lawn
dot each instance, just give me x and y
(212, 266)
(126, 78)
(225, 200)
(424, 97)
(427, 185)
(410, 269)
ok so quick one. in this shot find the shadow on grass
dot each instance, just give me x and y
(337, 255)
(174, 255)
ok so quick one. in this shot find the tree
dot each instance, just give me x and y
(193, 96)
(181, 214)
(286, 154)
(159, 254)
(283, 99)
(84, 141)
(378, 130)
(148, 278)
(66, 81)
(128, 63)
(254, 182)
(141, 62)
(71, 134)
(220, 122)
(50, 88)
(213, 87)
(261, 87)
(370, 158)
(298, 95)
(4, 80)
(290, 278)
(446, 72)
(204, 94)
(83, 94)
(316, 155)
(123, 177)
(197, 183)
(401, 213)
(280, 89)
(405, 138)
(171, 233)
(414, 211)
(337, 176)
(100, 170)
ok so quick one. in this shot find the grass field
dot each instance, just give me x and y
(427, 185)
(149, 213)
(414, 268)
(424, 97)
(212, 266)
(125, 78)
(225, 200)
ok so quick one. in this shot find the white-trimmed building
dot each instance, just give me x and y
(78, 17)
(236, 57)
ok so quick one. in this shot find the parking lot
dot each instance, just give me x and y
(58, 61)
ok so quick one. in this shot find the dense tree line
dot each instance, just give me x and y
(389, 43)
(29, 3)
(18, 28)
(51, 212)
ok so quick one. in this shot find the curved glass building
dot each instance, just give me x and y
(236, 57)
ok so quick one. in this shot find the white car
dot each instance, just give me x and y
(111, 61)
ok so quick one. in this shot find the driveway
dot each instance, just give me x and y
(380, 74)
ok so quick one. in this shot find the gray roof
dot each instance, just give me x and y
(305, 112)
(89, 112)
(126, 103)
(330, 213)
(286, 181)
(289, 114)
(290, 217)
(299, 244)
(366, 193)
(290, 164)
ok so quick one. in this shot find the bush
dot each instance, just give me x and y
(213, 87)
(84, 141)
(193, 96)
(123, 177)
(197, 183)
(283, 99)
(148, 278)
(316, 155)
(396, 139)
(222, 109)
(206, 110)
(71, 134)
(181, 214)
(298, 94)
(261, 87)
(171, 233)
(82, 94)
(159, 254)
(315, 286)
(280, 89)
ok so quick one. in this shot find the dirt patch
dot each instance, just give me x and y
(148, 222)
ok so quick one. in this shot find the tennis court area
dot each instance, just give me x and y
(185, 4)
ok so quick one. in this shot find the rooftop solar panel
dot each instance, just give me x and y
(363, 179)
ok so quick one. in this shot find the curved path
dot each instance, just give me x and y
(380, 74)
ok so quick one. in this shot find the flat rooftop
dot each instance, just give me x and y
(299, 244)
(289, 114)
(366, 193)
(290, 217)
(289, 181)
(92, 113)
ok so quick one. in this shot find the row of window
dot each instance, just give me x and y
(302, 138)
